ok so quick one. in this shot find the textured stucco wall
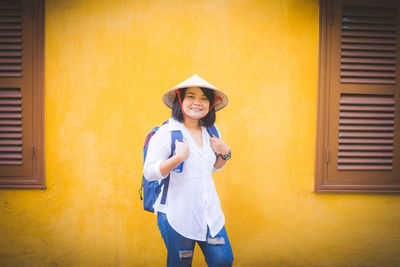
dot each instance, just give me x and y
(107, 66)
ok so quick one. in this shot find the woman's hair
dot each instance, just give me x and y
(208, 120)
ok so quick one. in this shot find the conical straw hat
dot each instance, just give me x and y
(196, 81)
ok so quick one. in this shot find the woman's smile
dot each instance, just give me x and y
(196, 109)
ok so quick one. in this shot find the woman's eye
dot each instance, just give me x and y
(204, 98)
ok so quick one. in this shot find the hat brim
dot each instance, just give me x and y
(222, 99)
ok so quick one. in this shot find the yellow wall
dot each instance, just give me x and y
(108, 64)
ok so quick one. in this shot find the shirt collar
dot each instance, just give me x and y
(177, 125)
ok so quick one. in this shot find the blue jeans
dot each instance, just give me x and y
(217, 251)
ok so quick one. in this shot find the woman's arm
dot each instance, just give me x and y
(158, 150)
(221, 148)
(219, 163)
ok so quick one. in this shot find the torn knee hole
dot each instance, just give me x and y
(184, 254)
(216, 241)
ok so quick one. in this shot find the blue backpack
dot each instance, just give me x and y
(149, 191)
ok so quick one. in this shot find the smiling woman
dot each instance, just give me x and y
(192, 211)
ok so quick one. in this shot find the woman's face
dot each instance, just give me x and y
(195, 103)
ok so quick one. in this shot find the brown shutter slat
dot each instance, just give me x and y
(6, 108)
(368, 134)
(12, 60)
(10, 54)
(369, 34)
(11, 19)
(361, 74)
(364, 141)
(11, 126)
(7, 46)
(10, 122)
(369, 61)
(10, 142)
(365, 147)
(10, 102)
(374, 54)
(10, 162)
(10, 93)
(364, 168)
(9, 156)
(368, 108)
(357, 161)
(9, 74)
(371, 27)
(10, 13)
(365, 115)
(9, 3)
(10, 67)
(365, 128)
(366, 99)
(10, 33)
(10, 149)
(4, 128)
(369, 11)
(366, 121)
(365, 154)
(368, 67)
(375, 138)
(378, 27)
(10, 47)
(10, 115)
(369, 47)
(10, 27)
(11, 136)
(368, 40)
(371, 81)
(371, 20)
(10, 40)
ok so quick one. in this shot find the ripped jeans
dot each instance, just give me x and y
(217, 251)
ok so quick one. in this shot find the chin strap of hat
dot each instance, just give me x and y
(217, 98)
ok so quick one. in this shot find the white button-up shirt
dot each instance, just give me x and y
(192, 200)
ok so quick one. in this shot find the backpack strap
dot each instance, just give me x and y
(212, 130)
(175, 135)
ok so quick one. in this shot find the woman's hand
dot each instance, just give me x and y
(181, 154)
(219, 146)
(182, 150)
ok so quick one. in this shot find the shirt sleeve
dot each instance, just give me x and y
(214, 169)
(158, 150)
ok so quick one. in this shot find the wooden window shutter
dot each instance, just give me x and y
(358, 125)
(21, 94)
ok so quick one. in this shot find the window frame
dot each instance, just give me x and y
(323, 154)
(37, 179)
